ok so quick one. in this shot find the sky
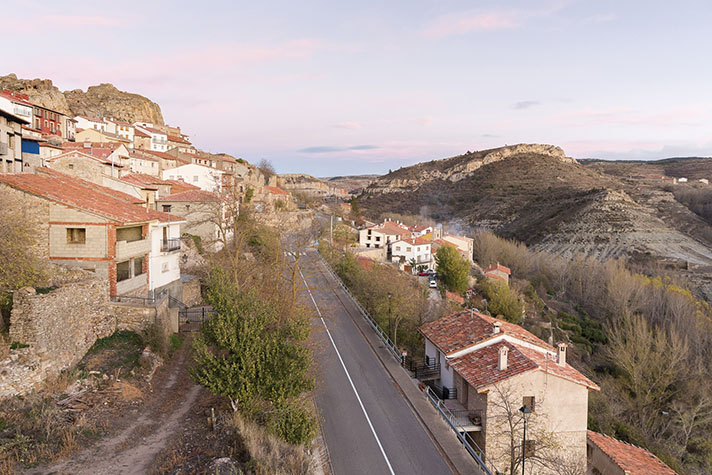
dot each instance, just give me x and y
(336, 88)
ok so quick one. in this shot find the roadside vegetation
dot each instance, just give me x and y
(644, 338)
(453, 269)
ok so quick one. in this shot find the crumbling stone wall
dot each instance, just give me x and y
(61, 325)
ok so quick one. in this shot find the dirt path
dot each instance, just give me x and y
(144, 433)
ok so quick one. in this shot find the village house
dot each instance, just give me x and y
(486, 369)
(86, 123)
(49, 122)
(11, 142)
(80, 164)
(499, 272)
(90, 227)
(381, 235)
(141, 140)
(122, 129)
(178, 142)
(201, 211)
(159, 138)
(608, 456)
(205, 178)
(464, 244)
(99, 136)
(18, 105)
(412, 250)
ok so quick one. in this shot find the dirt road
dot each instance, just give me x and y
(141, 433)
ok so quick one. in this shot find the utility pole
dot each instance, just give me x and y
(525, 410)
(389, 315)
(331, 230)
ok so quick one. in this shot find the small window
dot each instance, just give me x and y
(76, 235)
(530, 402)
(166, 208)
(164, 267)
(408, 249)
(123, 271)
(397, 248)
(195, 178)
(138, 266)
(530, 448)
(70, 166)
(187, 207)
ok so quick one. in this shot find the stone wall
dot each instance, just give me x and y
(191, 290)
(61, 325)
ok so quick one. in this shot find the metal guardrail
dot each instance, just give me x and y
(454, 423)
(383, 335)
(142, 301)
(168, 245)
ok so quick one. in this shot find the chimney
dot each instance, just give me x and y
(561, 353)
(496, 327)
(502, 360)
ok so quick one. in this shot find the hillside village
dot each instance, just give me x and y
(123, 209)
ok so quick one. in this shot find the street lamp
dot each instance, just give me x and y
(525, 412)
(389, 315)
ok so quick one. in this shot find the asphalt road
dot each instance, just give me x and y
(368, 426)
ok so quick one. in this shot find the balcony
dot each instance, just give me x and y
(170, 245)
(465, 419)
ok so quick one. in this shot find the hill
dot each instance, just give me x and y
(536, 194)
(310, 185)
(693, 168)
(103, 100)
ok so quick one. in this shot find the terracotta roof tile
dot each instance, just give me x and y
(499, 267)
(84, 195)
(630, 458)
(463, 329)
(145, 179)
(416, 241)
(96, 155)
(141, 133)
(191, 195)
(275, 190)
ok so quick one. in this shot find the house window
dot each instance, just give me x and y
(123, 271)
(138, 266)
(378, 238)
(187, 207)
(397, 248)
(530, 402)
(530, 448)
(129, 234)
(166, 208)
(408, 249)
(195, 178)
(70, 166)
(76, 235)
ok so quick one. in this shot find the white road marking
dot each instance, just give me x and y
(368, 419)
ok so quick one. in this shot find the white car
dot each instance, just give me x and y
(433, 284)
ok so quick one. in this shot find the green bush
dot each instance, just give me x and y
(501, 300)
(295, 424)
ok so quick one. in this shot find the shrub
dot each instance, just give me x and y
(295, 424)
(501, 300)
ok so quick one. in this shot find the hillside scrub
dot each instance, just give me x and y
(501, 300)
(655, 337)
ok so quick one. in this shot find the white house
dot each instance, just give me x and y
(121, 128)
(205, 178)
(144, 164)
(382, 234)
(416, 249)
(17, 105)
(464, 244)
(83, 122)
(159, 139)
(164, 261)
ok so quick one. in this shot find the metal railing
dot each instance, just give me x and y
(443, 392)
(168, 245)
(467, 441)
(142, 301)
(382, 334)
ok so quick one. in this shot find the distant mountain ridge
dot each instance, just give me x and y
(100, 101)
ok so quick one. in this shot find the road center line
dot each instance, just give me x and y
(368, 419)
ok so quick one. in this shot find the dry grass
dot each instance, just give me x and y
(59, 383)
(270, 455)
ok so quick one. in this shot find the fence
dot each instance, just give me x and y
(382, 335)
(454, 421)
(142, 301)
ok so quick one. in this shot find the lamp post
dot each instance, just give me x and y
(525, 412)
(389, 315)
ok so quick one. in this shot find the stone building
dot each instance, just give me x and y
(88, 226)
(608, 456)
(486, 370)
(200, 209)
(11, 142)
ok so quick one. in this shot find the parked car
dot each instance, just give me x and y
(424, 273)
(433, 284)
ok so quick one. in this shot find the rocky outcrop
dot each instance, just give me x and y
(309, 185)
(458, 168)
(103, 100)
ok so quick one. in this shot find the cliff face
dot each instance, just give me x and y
(103, 100)
(310, 185)
(458, 168)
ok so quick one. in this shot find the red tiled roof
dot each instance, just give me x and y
(120, 122)
(275, 190)
(97, 155)
(491, 275)
(154, 130)
(418, 229)
(454, 297)
(390, 228)
(140, 133)
(632, 459)
(499, 267)
(463, 329)
(417, 241)
(146, 179)
(84, 195)
(191, 195)
(14, 98)
(479, 368)
(177, 139)
(178, 186)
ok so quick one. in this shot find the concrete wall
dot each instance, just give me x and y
(80, 166)
(599, 463)
(36, 212)
(561, 413)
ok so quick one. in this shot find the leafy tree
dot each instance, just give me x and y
(247, 353)
(501, 300)
(355, 208)
(453, 269)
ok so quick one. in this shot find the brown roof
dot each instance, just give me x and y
(390, 228)
(146, 179)
(463, 329)
(140, 133)
(417, 241)
(153, 130)
(479, 368)
(275, 190)
(84, 195)
(499, 267)
(97, 155)
(191, 195)
(632, 459)
(178, 186)
(177, 139)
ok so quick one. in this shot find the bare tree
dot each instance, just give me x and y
(267, 169)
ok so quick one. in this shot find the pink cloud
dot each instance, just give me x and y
(465, 23)
(348, 125)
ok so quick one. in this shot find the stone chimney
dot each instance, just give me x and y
(496, 327)
(502, 360)
(561, 353)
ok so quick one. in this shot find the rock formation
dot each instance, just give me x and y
(103, 100)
